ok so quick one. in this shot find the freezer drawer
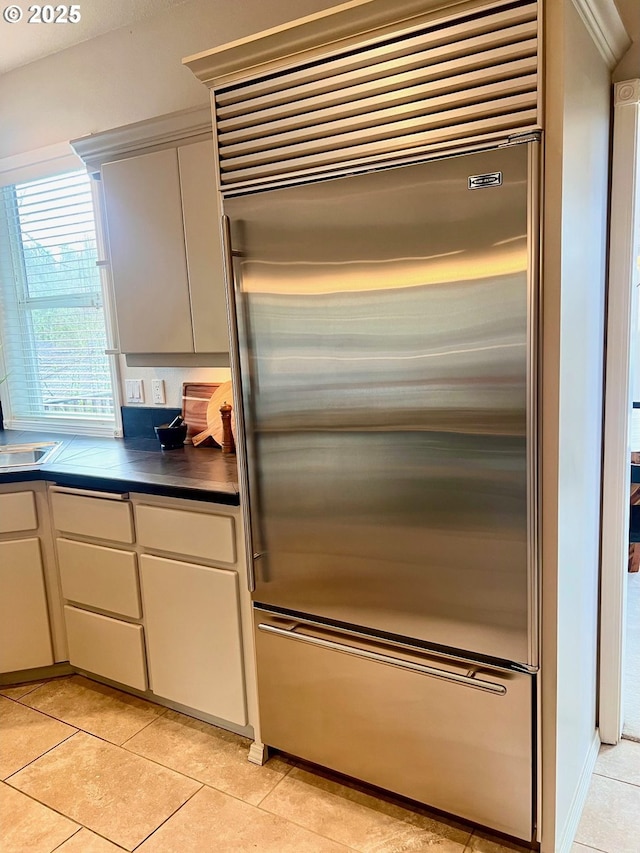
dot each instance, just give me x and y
(454, 737)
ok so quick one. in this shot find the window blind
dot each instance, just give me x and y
(53, 333)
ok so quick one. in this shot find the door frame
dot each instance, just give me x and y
(624, 252)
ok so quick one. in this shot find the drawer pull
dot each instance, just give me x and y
(469, 680)
(91, 493)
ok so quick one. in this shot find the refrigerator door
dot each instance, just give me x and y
(456, 739)
(384, 339)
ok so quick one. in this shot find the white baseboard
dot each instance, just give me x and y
(579, 797)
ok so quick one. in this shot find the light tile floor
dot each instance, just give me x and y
(88, 769)
(611, 818)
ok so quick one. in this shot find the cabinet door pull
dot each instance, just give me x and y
(91, 493)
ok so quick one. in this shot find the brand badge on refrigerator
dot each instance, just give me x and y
(479, 182)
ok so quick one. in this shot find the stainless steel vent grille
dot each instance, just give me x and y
(461, 78)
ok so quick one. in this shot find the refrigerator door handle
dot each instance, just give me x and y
(243, 462)
(468, 680)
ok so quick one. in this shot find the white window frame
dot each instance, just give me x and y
(46, 163)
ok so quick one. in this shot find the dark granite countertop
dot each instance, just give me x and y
(131, 465)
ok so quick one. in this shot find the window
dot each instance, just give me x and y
(53, 330)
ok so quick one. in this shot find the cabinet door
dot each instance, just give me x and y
(193, 636)
(146, 239)
(204, 248)
(25, 641)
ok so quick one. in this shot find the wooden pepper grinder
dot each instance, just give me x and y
(228, 444)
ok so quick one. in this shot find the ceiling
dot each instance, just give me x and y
(21, 43)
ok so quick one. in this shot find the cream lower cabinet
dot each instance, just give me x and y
(192, 621)
(190, 600)
(152, 598)
(100, 587)
(25, 636)
(25, 639)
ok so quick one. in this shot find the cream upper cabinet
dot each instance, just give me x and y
(164, 242)
(148, 260)
(204, 248)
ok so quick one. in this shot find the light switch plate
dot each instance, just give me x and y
(134, 390)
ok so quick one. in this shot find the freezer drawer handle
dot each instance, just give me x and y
(469, 680)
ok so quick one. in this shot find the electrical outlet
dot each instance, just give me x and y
(157, 391)
(134, 389)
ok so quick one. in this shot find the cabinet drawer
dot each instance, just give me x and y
(99, 577)
(106, 647)
(194, 534)
(17, 512)
(98, 517)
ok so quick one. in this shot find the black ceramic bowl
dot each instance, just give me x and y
(171, 437)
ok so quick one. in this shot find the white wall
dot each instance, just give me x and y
(129, 74)
(577, 154)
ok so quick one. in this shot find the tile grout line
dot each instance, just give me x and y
(301, 826)
(46, 806)
(82, 826)
(615, 779)
(194, 778)
(146, 726)
(73, 835)
(330, 838)
(19, 699)
(250, 805)
(258, 805)
(86, 731)
(37, 758)
(174, 812)
(425, 812)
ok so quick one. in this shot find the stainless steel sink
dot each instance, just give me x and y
(15, 457)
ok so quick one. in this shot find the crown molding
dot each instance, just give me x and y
(308, 37)
(627, 92)
(602, 19)
(143, 137)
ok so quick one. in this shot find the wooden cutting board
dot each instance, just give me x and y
(195, 400)
(223, 394)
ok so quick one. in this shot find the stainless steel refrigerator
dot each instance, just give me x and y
(385, 354)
